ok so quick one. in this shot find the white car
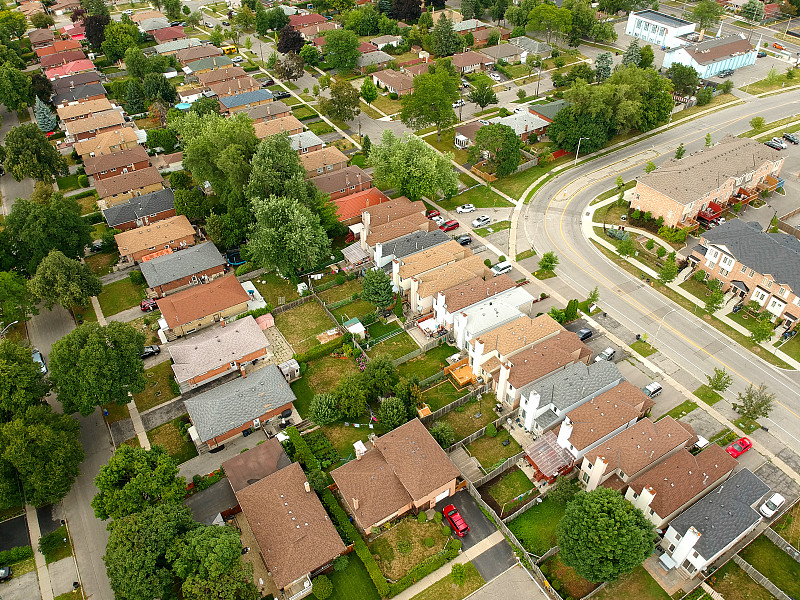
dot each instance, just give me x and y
(237, 59)
(773, 505)
(780, 142)
(607, 354)
(495, 76)
(438, 220)
(466, 208)
(481, 221)
(128, 12)
(521, 109)
(459, 103)
(483, 122)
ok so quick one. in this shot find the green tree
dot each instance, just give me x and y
(205, 106)
(548, 262)
(95, 365)
(570, 125)
(714, 301)
(603, 557)
(564, 491)
(431, 102)
(761, 330)
(720, 380)
(12, 24)
(377, 288)
(646, 57)
(446, 41)
(341, 49)
(157, 87)
(191, 203)
(392, 413)
(708, 140)
(626, 247)
(290, 68)
(217, 36)
(458, 574)
(408, 390)
(684, 79)
(571, 311)
(650, 167)
(309, 54)
(483, 94)
(550, 19)
(757, 123)
(172, 8)
(29, 153)
(277, 19)
(366, 146)
(368, 91)
(602, 66)
(680, 152)
(136, 62)
(755, 402)
(707, 12)
(324, 409)
(350, 394)
(323, 588)
(379, 378)
(16, 303)
(118, 37)
(15, 87)
(44, 450)
(632, 54)
(245, 19)
(22, 383)
(468, 8)
(753, 11)
(443, 433)
(344, 103)
(64, 281)
(44, 116)
(503, 148)
(95, 7)
(594, 296)
(669, 271)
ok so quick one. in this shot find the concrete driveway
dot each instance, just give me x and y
(24, 587)
(779, 482)
(513, 583)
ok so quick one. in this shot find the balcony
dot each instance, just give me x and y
(298, 589)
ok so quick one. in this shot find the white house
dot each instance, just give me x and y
(386, 40)
(713, 55)
(662, 30)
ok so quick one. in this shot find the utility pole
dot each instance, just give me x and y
(579, 148)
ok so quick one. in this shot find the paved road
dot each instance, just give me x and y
(49, 326)
(552, 221)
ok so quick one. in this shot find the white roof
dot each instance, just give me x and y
(521, 122)
(493, 312)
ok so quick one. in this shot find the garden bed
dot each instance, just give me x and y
(158, 389)
(170, 437)
(407, 544)
(536, 528)
(302, 324)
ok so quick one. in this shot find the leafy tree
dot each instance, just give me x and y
(21, 381)
(564, 491)
(550, 19)
(680, 152)
(458, 574)
(191, 203)
(15, 87)
(324, 409)
(44, 117)
(603, 557)
(95, 365)
(343, 105)
(194, 18)
(291, 67)
(379, 378)
(12, 24)
(714, 301)
(392, 413)
(753, 11)
(503, 148)
(650, 167)
(757, 123)
(135, 479)
(245, 19)
(594, 296)
(309, 54)
(431, 102)
(368, 91)
(762, 329)
(341, 49)
(30, 154)
(720, 380)
(64, 281)
(646, 57)
(136, 62)
(119, 36)
(95, 30)
(163, 138)
(412, 167)
(669, 271)
(468, 8)
(350, 394)
(755, 402)
(626, 248)
(548, 262)
(366, 146)
(704, 96)
(158, 87)
(41, 87)
(277, 19)
(684, 79)
(408, 390)
(134, 100)
(570, 125)
(290, 40)
(42, 21)
(217, 36)
(323, 588)
(44, 450)
(708, 140)
(95, 7)
(443, 433)
(172, 8)
(446, 41)
(286, 235)
(707, 12)
(205, 106)
(16, 303)
(377, 288)
(483, 95)
(406, 10)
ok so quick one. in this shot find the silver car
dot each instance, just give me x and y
(481, 221)
(38, 358)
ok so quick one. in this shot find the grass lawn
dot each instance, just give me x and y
(526, 254)
(481, 197)
(271, 287)
(542, 274)
(116, 412)
(514, 185)
(789, 526)
(120, 295)
(696, 288)
(322, 375)
(792, 347)
(392, 562)
(612, 192)
(343, 437)
(386, 105)
(463, 419)
(716, 101)
(341, 292)
(570, 583)
(636, 585)
(68, 183)
(683, 409)
(491, 451)
(536, 527)
(88, 203)
(379, 329)
(353, 582)
(610, 213)
(158, 388)
(448, 145)
(303, 112)
(445, 589)
(301, 325)
(707, 395)
(427, 364)
(493, 228)
(743, 318)
(770, 125)
(169, 436)
(746, 425)
(510, 486)
(394, 347)
(358, 160)
(442, 394)
(359, 308)
(734, 584)
(84, 313)
(102, 263)
(63, 549)
(23, 566)
(643, 348)
(320, 127)
(762, 86)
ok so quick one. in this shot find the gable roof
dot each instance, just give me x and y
(321, 158)
(304, 20)
(334, 181)
(73, 111)
(521, 122)
(713, 49)
(450, 275)
(106, 162)
(37, 36)
(176, 45)
(276, 107)
(189, 55)
(132, 180)
(169, 33)
(139, 207)
(95, 122)
(178, 265)
(394, 79)
(79, 92)
(74, 81)
(147, 14)
(544, 358)
(246, 98)
(292, 529)
(237, 86)
(258, 462)
(136, 240)
(61, 58)
(431, 258)
(500, 51)
(150, 25)
(373, 58)
(548, 110)
(305, 139)
(76, 66)
(202, 300)
(401, 227)
(417, 241)
(218, 75)
(473, 291)
(58, 46)
(385, 39)
(517, 334)
(470, 59)
(103, 143)
(275, 126)
(392, 211)
(349, 207)
(216, 61)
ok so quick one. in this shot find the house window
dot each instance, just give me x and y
(589, 465)
(635, 495)
(671, 548)
(320, 170)
(652, 512)
(330, 167)
(586, 478)
(677, 537)
(752, 272)
(621, 475)
(695, 554)
(782, 291)
(744, 269)
(769, 284)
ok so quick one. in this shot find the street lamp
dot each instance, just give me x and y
(538, 80)
(2, 333)
(579, 148)
(662, 322)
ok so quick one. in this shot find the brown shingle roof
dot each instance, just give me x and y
(103, 143)
(292, 529)
(106, 162)
(713, 49)
(469, 59)
(133, 180)
(94, 122)
(322, 158)
(446, 277)
(473, 291)
(683, 477)
(341, 179)
(196, 53)
(72, 111)
(289, 124)
(518, 334)
(156, 234)
(61, 58)
(399, 228)
(393, 210)
(395, 79)
(252, 466)
(202, 300)
(235, 86)
(37, 36)
(440, 255)
(544, 358)
(221, 75)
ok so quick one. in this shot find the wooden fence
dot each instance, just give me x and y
(507, 464)
(781, 543)
(299, 302)
(756, 576)
(454, 404)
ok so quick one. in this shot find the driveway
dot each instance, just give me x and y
(25, 587)
(513, 583)
(14, 533)
(779, 482)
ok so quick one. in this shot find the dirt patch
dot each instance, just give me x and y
(328, 336)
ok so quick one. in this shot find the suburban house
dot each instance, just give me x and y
(176, 271)
(344, 182)
(288, 124)
(127, 185)
(465, 134)
(379, 59)
(530, 47)
(348, 208)
(386, 40)
(502, 53)
(237, 87)
(243, 101)
(209, 63)
(189, 55)
(754, 265)
(425, 286)
(82, 110)
(40, 38)
(73, 31)
(310, 32)
(73, 81)
(417, 69)
(61, 58)
(71, 68)
(224, 411)
(219, 75)
(713, 525)
(269, 111)
(390, 221)
(152, 25)
(323, 161)
(93, 125)
(669, 488)
(544, 404)
(467, 62)
(203, 305)
(405, 470)
(405, 270)
(171, 48)
(713, 55)
(633, 452)
(708, 181)
(294, 535)
(215, 352)
(174, 233)
(63, 7)
(364, 48)
(169, 34)
(482, 35)
(524, 124)
(258, 462)
(118, 163)
(383, 253)
(452, 300)
(141, 210)
(305, 20)
(58, 47)
(107, 143)
(305, 142)
(660, 29)
(77, 92)
(393, 82)
(548, 110)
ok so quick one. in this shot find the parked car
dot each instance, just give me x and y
(501, 267)
(585, 333)
(726, 73)
(38, 358)
(449, 225)
(265, 83)
(607, 354)
(778, 46)
(773, 145)
(466, 208)
(521, 110)
(791, 137)
(174, 23)
(148, 304)
(739, 447)
(128, 12)
(150, 351)
(761, 54)
(482, 221)
(5, 572)
(456, 521)
(280, 95)
(652, 389)
(439, 220)
(432, 213)
(495, 76)
(483, 122)
(464, 240)
(459, 103)
(772, 505)
(237, 59)
(779, 141)
(226, 23)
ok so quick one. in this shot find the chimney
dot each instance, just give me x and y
(355, 503)
(242, 371)
(307, 486)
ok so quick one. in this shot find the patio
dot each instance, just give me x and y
(671, 581)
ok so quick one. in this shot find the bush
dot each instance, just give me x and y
(393, 96)
(422, 517)
(661, 252)
(491, 430)
(340, 279)
(299, 449)
(323, 588)
(14, 555)
(83, 181)
(341, 563)
(429, 542)
(501, 259)
(488, 263)
(437, 518)
(51, 542)
(173, 385)
(446, 530)
(650, 244)
(92, 218)
(321, 350)
(458, 573)
(244, 268)
(136, 278)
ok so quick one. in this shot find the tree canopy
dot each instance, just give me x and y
(22, 383)
(377, 288)
(431, 102)
(502, 145)
(446, 41)
(341, 49)
(344, 103)
(16, 303)
(64, 281)
(29, 153)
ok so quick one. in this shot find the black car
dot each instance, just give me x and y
(150, 351)
(464, 240)
(726, 73)
(280, 95)
(773, 145)
(585, 333)
(226, 23)
(174, 23)
(790, 137)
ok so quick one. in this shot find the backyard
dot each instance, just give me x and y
(407, 544)
(464, 421)
(302, 324)
(322, 375)
(353, 582)
(774, 564)
(445, 589)
(344, 436)
(427, 364)
(340, 292)
(102, 263)
(442, 394)
(120, 295)
(169, 435)
(358, 308)
(565, 580)
(490, 451)
(513, 483)
(789, 526)
(636, 585)
(394, 347)
(158, 388)
(272, 288)
(536, 527)
(734, 584)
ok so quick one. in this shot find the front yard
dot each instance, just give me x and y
(490, 451)
(120, 295)
(427, 364)
(353, 582)
(442, 394)
(158, 388)
(683, 409)
(536, 528)
(301, 325)
(774, 564)
(445, 589)
(394, 347)
(481, 196)
(169, 435)
(407, 544)
(707, 395)
(493, 228)
(636, 585)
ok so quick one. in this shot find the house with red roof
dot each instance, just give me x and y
(78, 66)
(349, 207)
(169, 34)
(305, 20)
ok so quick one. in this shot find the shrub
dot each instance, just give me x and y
(393, 96)
(650, 244)
(341, 563)
(257, 312)
(83, 181)
(405, 546)
(446, 530)
(323, 588)
(324, 409)
(340, 279)
(437, 518)
(244, 268)
(458, 574)
(661, 252)
(491, 430)
(488, 262)
(700, 276)
(14, 555)
(322, 349)
(422, 517)
(559, 62)
(300, 450)
(173, 385)
(429, 542)
(501, 259)
(136, 278)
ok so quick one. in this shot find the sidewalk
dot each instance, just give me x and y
(45, 585)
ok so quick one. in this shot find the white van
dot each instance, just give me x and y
(501, 267)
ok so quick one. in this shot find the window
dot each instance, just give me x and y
(695, 554)
(752, 272)
(782, 291)
(589, 465)
(671, 548)
(677, 537)
(320, 170)
(652, 512)
(621, 475)
(635, 495)
(586, 478)
(744, 269)
(330, 167)
(769, 284)
(723, 272)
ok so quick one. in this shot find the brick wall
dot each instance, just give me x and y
(220, 439)
(166, 214)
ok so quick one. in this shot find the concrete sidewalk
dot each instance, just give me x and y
(45, 586)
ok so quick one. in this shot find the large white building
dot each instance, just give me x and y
(713, 55)
(658, 28)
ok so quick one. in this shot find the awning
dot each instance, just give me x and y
(354, 253)
(740, 285)
(548, 456)
(667, 562)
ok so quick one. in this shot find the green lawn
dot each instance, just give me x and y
(116, 412)
(789, 526)
(63, 549)
(169, 436)
(526, 254)
(491, 451)
(320, 127)
(636, 585)
(683, 409)
(536, 527)
(442, 394)
(463, 419)
(353, 582)
(515, 184)
(301, 325)
(447, 144)
(762, 86)
(272, 288)
(771, 125)
(493, 228)
(379, 329)
(322, 375)
(394, 347)
(509, 487)
(743, 318)
(386, 105)
(481, 197)
(359, 308)
(102, 263)
(707, 395)
(427, 364)
(68, 183)
(792, 347)
(564, 577)
(445, 589)
(343, 437)
(158, 388)
(120, 295)
(341, 292)
(394, 563)
(643, 348)
(716, 101)
(612, 192)
(734, 584)
(746, 425)
(302, 112)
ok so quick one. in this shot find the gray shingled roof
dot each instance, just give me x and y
(79, 93)
(415, 242)
(724, 514)
(246, 98)
(66, 83)
(374, 58)
(139, 207)
(176, 45)
(177, 265)
(305, 139)
(238, 402)
(209, 63)
(577, 382)
(775, 254)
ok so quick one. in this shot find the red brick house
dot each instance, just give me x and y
(141, 211)
(342, 183)
(176, 271)
(111, 165)
(173, 233)
(61, 58)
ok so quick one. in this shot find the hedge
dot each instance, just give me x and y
(321, 350)
(244, 268)
(93, 218)
(259, 312)
(9, 557)
(425, 568)
(84, 194)
(300, 450)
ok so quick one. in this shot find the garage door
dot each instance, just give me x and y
(442, 496)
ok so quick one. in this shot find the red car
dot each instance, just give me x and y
(449, 225)
(457, 522)
(432, 213)
(148, 304)
(739, 447)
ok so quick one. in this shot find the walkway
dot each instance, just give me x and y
(45, 586)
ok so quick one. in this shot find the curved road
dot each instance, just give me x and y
(553, 221)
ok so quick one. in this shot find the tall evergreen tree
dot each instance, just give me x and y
(44, 118)
(385, 6)
(446, 41)
(468, 8)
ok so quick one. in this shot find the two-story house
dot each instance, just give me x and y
(176, 271)
(118, 163)
(347, 181)
(404, 270)
(424, 287)
(491, 312)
